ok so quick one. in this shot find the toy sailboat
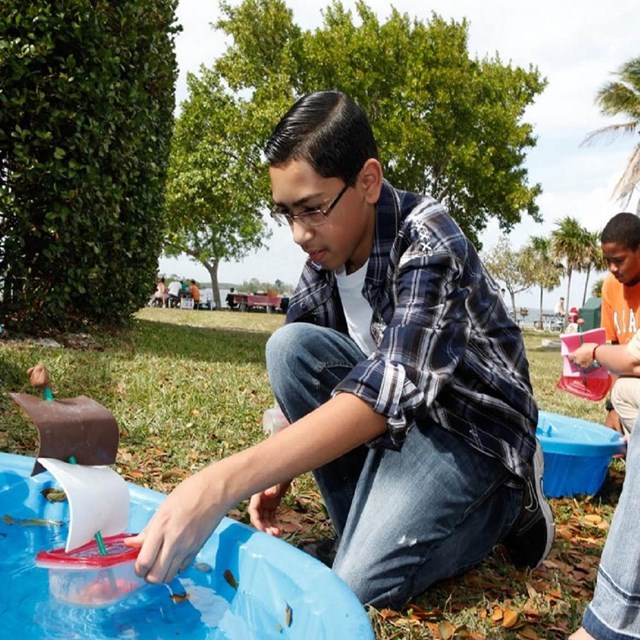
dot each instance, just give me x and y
(78, 439)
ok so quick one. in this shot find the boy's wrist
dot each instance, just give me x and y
(594, 360)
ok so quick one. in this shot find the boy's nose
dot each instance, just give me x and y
(300, 232)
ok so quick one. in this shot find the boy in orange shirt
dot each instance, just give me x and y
(620, 242)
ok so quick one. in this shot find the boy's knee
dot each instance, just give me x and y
(372, 588)
(290, 341)
(279, 344)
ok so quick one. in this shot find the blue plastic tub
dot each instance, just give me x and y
(577, 454)
(243, 584)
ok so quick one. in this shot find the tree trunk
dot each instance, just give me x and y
(586, 285)
(212, 268)
(540, 314)
(568, 305)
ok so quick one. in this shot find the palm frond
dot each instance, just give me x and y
(630, 178)
(611, 132)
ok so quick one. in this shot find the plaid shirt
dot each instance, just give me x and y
(447, 352)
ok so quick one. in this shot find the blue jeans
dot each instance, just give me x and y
(614, 612)
(407, 518)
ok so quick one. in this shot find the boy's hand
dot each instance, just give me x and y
(263, 508)
(582, 356)
(177, 531)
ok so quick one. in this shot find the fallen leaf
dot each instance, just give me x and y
(446, 629)
(388, 614)
(497, 614)
(54, 495)
(31, 522)
(230, 578)
(509, 618)
(415, 612)
(180, 597)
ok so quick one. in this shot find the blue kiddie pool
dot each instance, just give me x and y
(577, 454)
(244, 585)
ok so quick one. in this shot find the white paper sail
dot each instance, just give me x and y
(98, 500)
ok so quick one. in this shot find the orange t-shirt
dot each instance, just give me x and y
(195, 293)
(620, 315)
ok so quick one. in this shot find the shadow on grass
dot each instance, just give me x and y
(163, 339)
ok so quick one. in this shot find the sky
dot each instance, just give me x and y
(577, 45)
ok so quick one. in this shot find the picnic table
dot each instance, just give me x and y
(248, 301)
(550, 322)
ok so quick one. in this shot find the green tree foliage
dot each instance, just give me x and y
(509, 267)
(541, 268)
(216, 183)
(596, 289)
(86, 113)
(446, 123)
(621, 97)
(256, 285)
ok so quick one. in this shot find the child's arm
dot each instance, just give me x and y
(616, 358)
(187, 517)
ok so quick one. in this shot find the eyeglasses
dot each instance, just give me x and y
(307, 217)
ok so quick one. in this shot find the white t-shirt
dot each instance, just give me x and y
(357, 309)
(174, 288)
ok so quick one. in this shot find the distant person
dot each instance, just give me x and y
(620, 313)
(575, 321)
(559, 310)
(231, 302)
(404, 381)
(195, 294)
(173, 293)
(160, 296)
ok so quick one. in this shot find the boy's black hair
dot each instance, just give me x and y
(622, 229)
(328, 130)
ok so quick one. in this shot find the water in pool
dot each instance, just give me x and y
(28, 611)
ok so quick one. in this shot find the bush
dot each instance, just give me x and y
(86, 113)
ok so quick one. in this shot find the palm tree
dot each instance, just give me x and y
(570, 243)
(545, 270)
(622, 97)
(594, 259)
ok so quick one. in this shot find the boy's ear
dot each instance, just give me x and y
(371, 180)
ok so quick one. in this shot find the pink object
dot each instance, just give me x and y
(593, 384)
(569, 342)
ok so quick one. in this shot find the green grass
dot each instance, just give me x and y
(189, 387)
